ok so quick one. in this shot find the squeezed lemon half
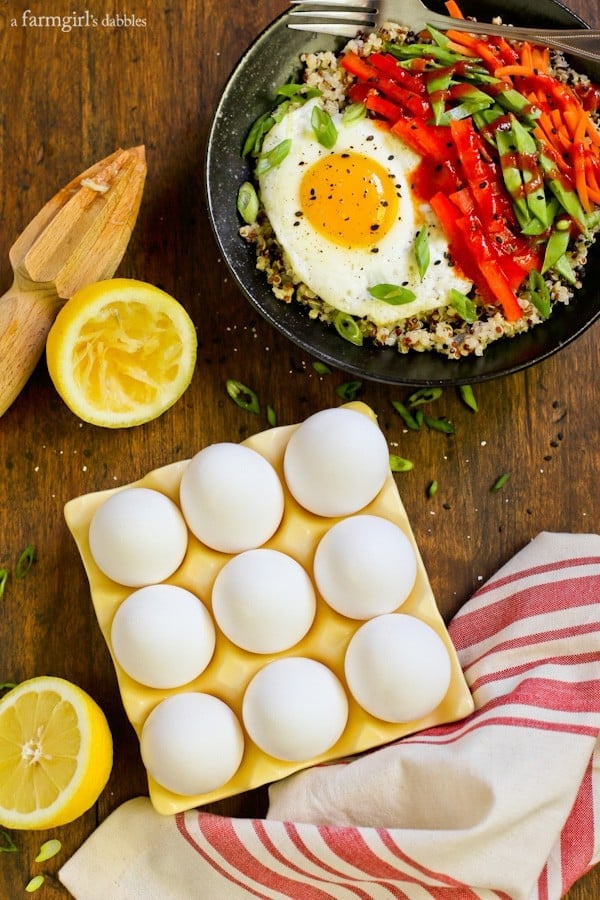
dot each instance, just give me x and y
(55, 753)
(121, 352)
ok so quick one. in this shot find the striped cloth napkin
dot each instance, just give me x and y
(504, 804)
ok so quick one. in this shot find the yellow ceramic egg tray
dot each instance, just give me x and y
(231, 668)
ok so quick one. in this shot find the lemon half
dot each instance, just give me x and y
(55, 753)
(121, 352)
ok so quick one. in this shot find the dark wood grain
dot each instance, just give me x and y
(68, 98)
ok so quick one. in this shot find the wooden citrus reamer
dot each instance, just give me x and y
(78, 237)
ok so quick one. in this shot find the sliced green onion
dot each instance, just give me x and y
(439, 424)
(407, 417)
(291, 89)
(347, 327)
(272, 159)
(422, 252)
(468, 397)
(35, 884)
(242, 395)
(25, 561)
(271, 416)
(500, 482)
(349, 390)
(432, 489)
(393, 294)
(399, 464)
(320, 368)
(424, 395)
(247, 202)
(323, 127)
(3, 580)
(463, 306)
(353, 113)
(7, 845)
(256, 135)
(280, 111)
(48, 850)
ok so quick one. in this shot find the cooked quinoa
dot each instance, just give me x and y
(441, 330)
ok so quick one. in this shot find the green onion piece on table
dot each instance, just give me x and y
(48, 850)
(424, 395)
(468, 397)
(7, 845)
(407, 417)
(242, 395)
(399, 464)
(439, 424)
(500, 482)
(25, 561)
(349, 390)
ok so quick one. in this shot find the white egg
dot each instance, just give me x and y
(295, 708)
(163, 636)
(264, 601)
(336, 462)
(138, 536)
(397, 668)
(365, 566)
(231, 497)
(192, 743)
(347, 220)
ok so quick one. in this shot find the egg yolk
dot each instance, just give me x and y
(349, 199)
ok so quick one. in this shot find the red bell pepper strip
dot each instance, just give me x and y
(495, 286)
(429, 177)
(359, 91)
(389, 111)
(413, 103)
(388, 64)
(482, 174)
(432, 141)
(474, 254)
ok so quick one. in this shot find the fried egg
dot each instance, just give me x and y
(347, 220)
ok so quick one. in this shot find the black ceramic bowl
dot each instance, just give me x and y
(269, 62)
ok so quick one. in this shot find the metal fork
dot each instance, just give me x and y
(348, 18)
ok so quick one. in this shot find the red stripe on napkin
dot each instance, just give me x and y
(543, 598)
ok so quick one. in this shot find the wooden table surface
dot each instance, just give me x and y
(69, 98)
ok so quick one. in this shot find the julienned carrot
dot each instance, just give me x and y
(517, 69)
(475, 45)
(454, 9)
(593, 186)
(543, 132)
(592, 132)
(461, 48)
(579, 165)
(540, 58)
(527, 55)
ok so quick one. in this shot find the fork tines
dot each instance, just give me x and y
(346, 20)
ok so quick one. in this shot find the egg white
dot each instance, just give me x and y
(339, 275)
